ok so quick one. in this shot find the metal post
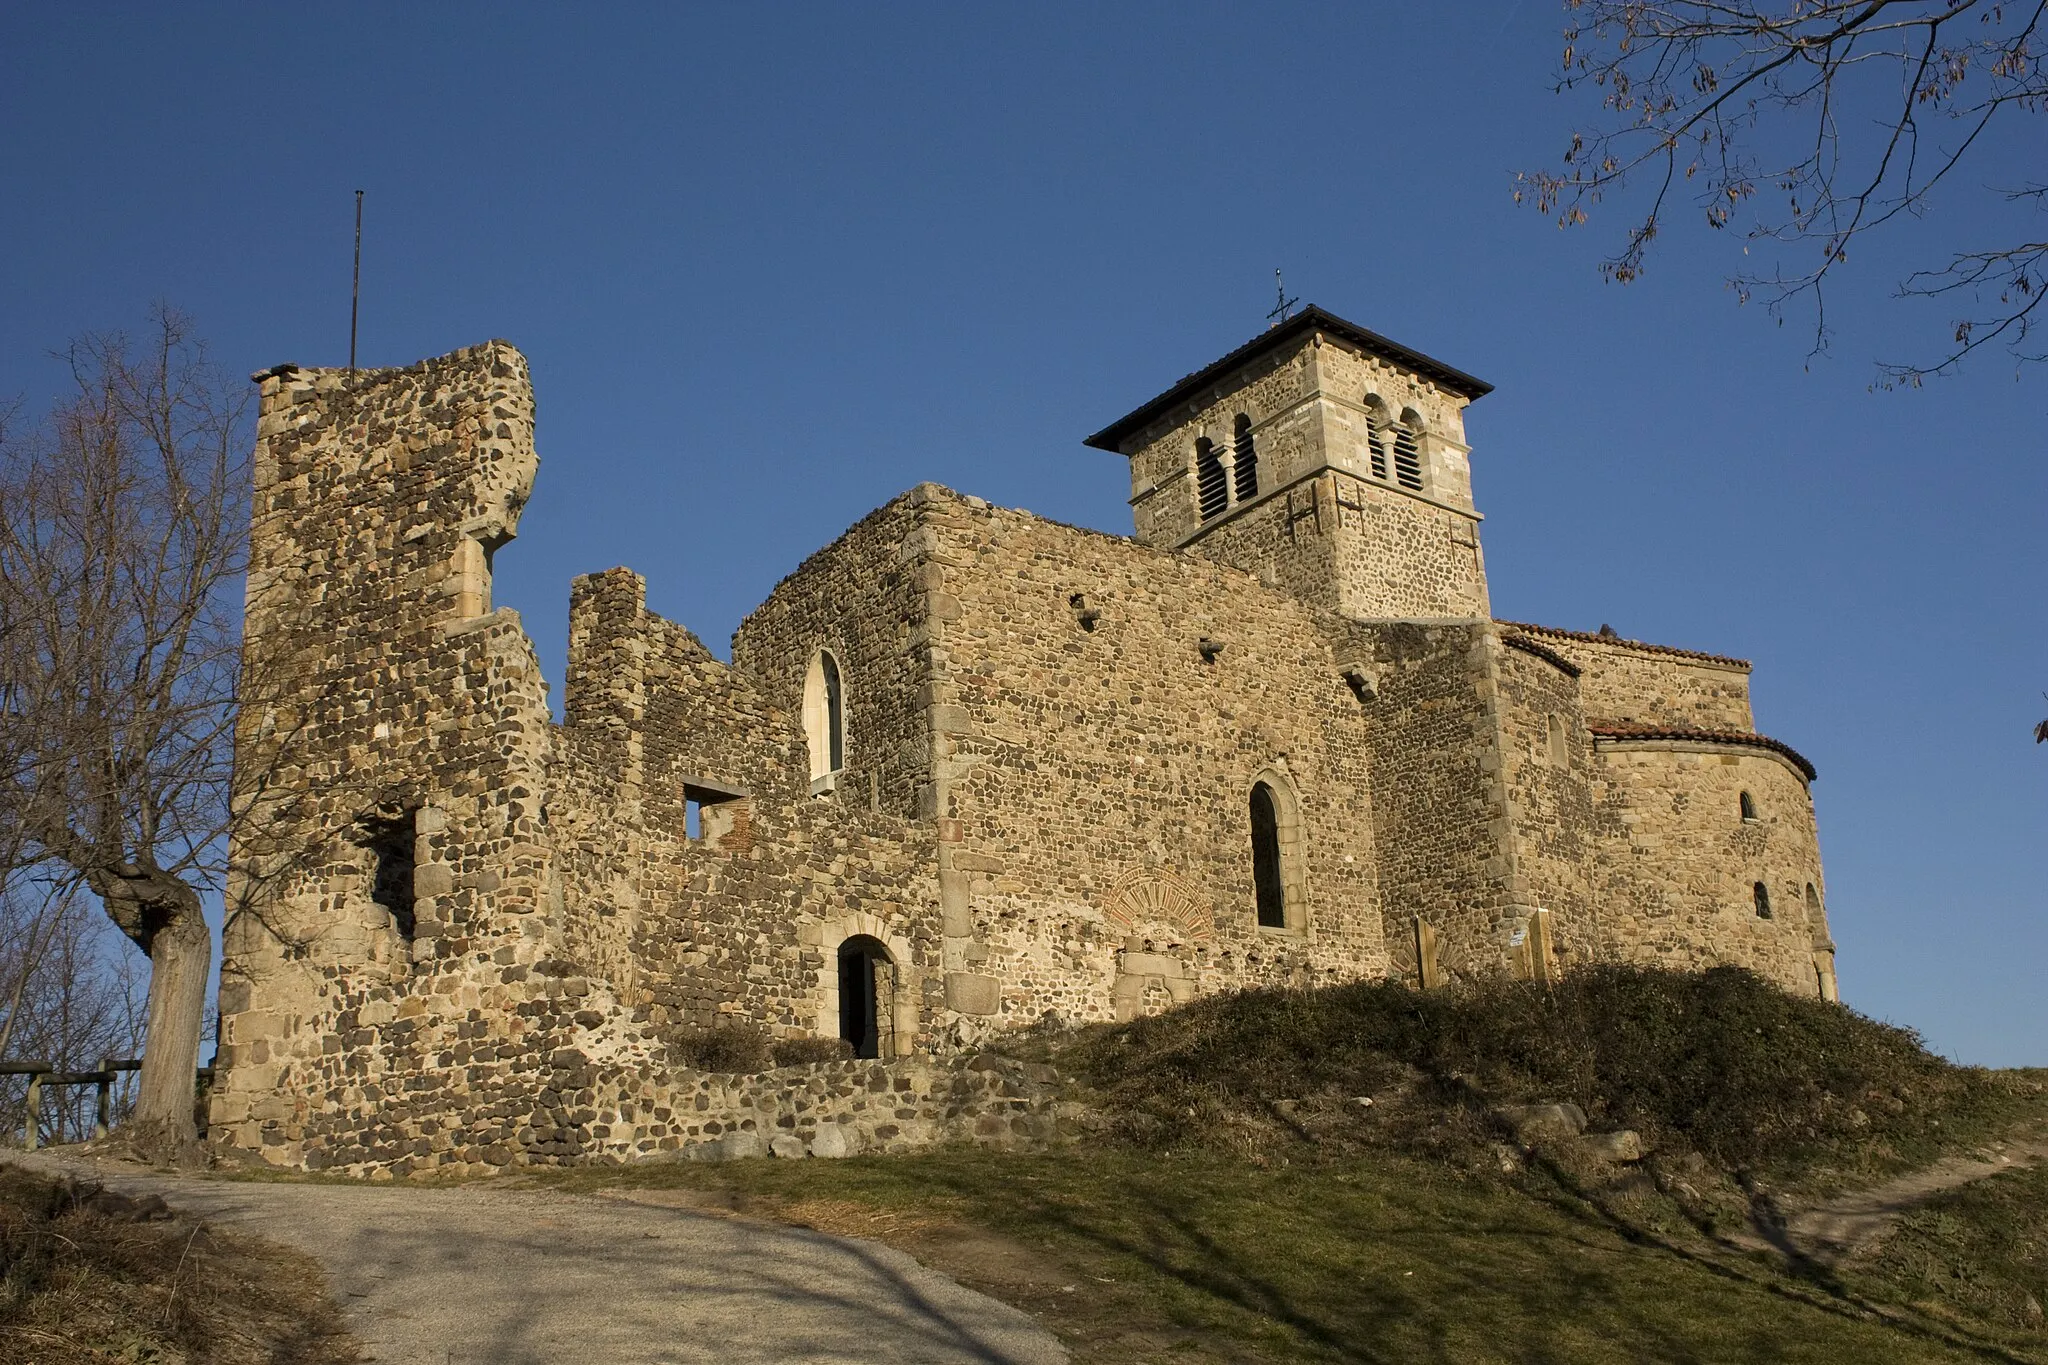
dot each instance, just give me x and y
(35, 1109)
(355, 292)
(103, 1116)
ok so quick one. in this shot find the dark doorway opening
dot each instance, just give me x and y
(866, 977)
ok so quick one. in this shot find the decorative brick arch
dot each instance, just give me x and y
(909, 980)
(1153, 896)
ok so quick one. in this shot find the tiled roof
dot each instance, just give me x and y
(1592, 639)
(1622, 729)
(1309, 319)
(1543, 652)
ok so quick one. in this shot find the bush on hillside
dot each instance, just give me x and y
(1739, 1070)
(736, 1047)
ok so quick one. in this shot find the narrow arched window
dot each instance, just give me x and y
(825, 720)
(1560, 751)
(1407, 452)
(1748, 804)
(1247, 459)
(1812, 906)
(1212, 484)
(1376, 436)
(1762, 894)
(1268, 880)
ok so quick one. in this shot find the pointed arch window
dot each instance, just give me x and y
(825, 721)
(1276, 853)
(1246, 456)
(1212, 483)
(1762, 895)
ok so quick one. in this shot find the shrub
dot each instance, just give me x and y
(809, 1051)
(1738, 1069)
(723, 1047)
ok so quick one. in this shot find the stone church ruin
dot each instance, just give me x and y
(967, 767)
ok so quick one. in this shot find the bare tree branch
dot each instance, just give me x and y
(1825, 119)
(122, 525)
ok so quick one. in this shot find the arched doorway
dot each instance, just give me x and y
(867, 990)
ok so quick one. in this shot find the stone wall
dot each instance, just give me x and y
(1115, 706)
(1679, 864)
(1547, 757)
(1628, 680)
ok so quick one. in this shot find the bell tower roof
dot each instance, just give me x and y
(1310, 319)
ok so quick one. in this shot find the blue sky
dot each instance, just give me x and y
(773, 265)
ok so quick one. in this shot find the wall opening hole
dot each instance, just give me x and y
(1762, 895)
(711, 812)
(393, 848)
(1748, 806)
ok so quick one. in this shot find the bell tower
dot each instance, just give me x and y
(1323, 457)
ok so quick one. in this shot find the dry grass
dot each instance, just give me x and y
(89, 1277)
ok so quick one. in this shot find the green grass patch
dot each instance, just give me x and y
(1134, 1256)
(1976, 1254)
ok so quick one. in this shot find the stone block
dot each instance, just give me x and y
(833, 1140)
(973, 993)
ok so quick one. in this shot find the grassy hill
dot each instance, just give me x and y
(1233, 1198)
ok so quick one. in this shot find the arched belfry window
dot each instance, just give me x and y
(1376, 434)
(1748, 806)
(1408, 451)
(1212, 484)
(1276, 853)
(825, 720)
(1246, 457)
(1762, 895)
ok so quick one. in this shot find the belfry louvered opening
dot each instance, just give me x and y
(1247, 456)
(1212, 483)
(1376, 437)
(1407, 458)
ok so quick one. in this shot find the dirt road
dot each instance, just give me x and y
(476, 1275)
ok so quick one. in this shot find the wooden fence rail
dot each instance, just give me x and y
(41, 1074)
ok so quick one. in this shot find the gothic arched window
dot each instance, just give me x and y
(825, 720)
(1276, 852)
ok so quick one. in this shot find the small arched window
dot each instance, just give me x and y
(1813, 916)
(1276, 852)
(1748, 805)
(1212, 484)
(1247, 459)
(1266, 878)
(1762, 895)
(1376, 435)
(825, 720)
(1407, 452)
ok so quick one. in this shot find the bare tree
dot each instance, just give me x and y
(70, 1001)
(123, 521)
(1820, 121)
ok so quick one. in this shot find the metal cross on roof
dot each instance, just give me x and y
(1283, 307)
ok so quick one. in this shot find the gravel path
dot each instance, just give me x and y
(475, 1275)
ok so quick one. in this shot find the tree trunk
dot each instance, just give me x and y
(162, 915)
